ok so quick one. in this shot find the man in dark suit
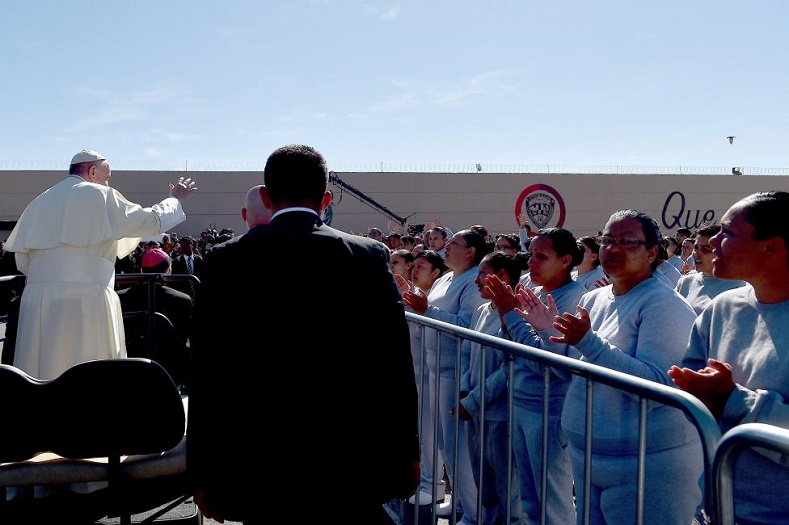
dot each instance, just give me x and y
(172, 346)
(304, 380)
(187, 262)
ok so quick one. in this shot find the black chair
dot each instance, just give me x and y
(120, 423)
(153, 336)
(149, 333)
(11, 287)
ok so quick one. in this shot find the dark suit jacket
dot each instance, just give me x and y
(179, 267)
(172, 352)
(126, 265)
(306, 376)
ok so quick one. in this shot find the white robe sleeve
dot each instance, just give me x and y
(169, 213)
(79, 213)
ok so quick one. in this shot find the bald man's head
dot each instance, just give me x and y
(254, 212)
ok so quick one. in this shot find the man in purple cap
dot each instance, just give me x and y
(66, 243)
(170, 348)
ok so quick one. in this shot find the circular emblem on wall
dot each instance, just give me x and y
(543, 205)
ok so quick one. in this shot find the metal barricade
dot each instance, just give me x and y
(731, 446)
(693, 409)
(150, 280)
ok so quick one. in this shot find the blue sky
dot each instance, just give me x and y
(411, 85)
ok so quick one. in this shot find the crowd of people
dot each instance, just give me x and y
(174, 246)
(630, 300)
(708, 319)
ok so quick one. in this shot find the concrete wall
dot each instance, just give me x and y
(581, 203)
(461, 199)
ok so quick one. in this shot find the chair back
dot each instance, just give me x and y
(101, 408)
(153, 336)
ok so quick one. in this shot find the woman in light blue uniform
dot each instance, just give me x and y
(428, 266)
(485, 404)
(453, 299)
(638, 326)
(554, 254)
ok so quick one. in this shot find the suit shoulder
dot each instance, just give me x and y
(177, 295)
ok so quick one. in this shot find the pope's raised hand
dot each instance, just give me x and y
(184, 187)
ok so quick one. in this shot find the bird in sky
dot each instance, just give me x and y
(731, 139)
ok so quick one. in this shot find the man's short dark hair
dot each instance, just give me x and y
(480, 229)
(766, 212)
(295, 174)
(709, 231)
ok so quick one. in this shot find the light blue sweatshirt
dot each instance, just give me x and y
(528, 375)
(699, 289)
(486, 320)
(588, 279)
(641, 333)
(753, 337)
(452, 299)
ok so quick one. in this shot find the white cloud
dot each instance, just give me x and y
(489, 83)
(136, 106)
(153, 152)
(383, 14)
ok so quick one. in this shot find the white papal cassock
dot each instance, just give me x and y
(66, 242)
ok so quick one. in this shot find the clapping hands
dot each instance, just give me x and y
(501, 294)
(403, 284)
(712, 385)
(572, 327)
(523, 300)
(538, 314)
(413, 297)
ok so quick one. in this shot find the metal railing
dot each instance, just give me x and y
(645, 390)
(731, 446)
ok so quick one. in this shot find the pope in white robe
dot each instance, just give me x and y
(66, 243)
